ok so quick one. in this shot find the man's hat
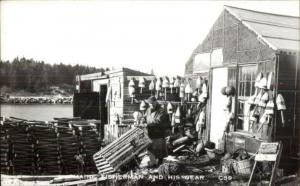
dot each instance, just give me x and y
(151, 99)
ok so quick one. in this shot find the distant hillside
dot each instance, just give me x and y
(30, 76)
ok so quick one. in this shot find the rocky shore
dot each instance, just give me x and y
(37, 100)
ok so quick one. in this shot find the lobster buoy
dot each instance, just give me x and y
(172, 84)
(141, 84)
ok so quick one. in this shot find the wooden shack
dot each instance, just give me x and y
(105, 96)
(241, 44)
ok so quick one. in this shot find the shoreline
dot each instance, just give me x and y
(36, 100)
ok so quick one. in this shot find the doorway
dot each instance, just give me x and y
(218, 100)
(102, 104)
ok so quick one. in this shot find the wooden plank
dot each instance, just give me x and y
(100, 161)
(107, 171)
(268, 148)
(113, 143)
(265, 157)
(113, 154)
(120, 144)
(147, 78)
(120, 158)
(132, 155)
(84, 182)
(273, 175)
(104, 167)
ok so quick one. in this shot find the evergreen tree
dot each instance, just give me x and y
(34, 76)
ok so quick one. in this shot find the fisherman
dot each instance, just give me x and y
(157, 123)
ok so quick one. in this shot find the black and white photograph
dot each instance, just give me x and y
(149, 93)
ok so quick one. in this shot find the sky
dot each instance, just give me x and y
(141, 35)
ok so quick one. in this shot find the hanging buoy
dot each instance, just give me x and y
(172, 84)
(204, 90)
(257, 83)
(178, 115)
(229, 90)
(263, 100)
(181, 91)
(173, 123)
(257, 79)
(251, 100)
(170, 108)
(270, 81)
(131, 90)
(281, 107)
(143, 106)
(194, 96)
(152, 86)
(188, 90)
(165, 85)
(199, 82)
(158, 87)
(177, 83)
(263, 83)
(188, 114)
(141, 84)
(201, 98)
(270, 107)
(257, 98)
(137, 116)
(223, 92)
(201, 121)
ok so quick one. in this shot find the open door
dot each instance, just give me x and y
(86, 105)
(218, 100)
(103, 106)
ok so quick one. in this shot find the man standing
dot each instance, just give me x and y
(157, 123)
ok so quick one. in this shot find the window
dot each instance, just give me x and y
(246, 80)
(201, 63)
(217, 57)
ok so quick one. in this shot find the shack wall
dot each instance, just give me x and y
(288, 86)
(120, 103)
(239, 44)
(129, 106)
(241, 47)
(116, 84)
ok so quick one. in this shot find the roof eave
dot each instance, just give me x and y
(259, 36)
(287, 51)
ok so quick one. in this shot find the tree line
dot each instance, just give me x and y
(34, 76)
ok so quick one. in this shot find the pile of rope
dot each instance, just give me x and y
(170, 169)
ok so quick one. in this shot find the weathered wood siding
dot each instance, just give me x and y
(240, 45)
(116, 104)
(113, 131)
(120, 103)
(288, 86)
(130, 107)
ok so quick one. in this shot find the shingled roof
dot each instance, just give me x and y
(280, 32)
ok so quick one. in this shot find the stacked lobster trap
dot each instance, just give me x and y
(47, 148)
(4, 150)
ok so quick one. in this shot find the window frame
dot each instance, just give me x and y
(242, 97)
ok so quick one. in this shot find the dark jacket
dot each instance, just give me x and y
(157, 122)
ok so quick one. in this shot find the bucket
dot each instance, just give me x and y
(243, 167)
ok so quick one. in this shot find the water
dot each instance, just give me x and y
(37, 112)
